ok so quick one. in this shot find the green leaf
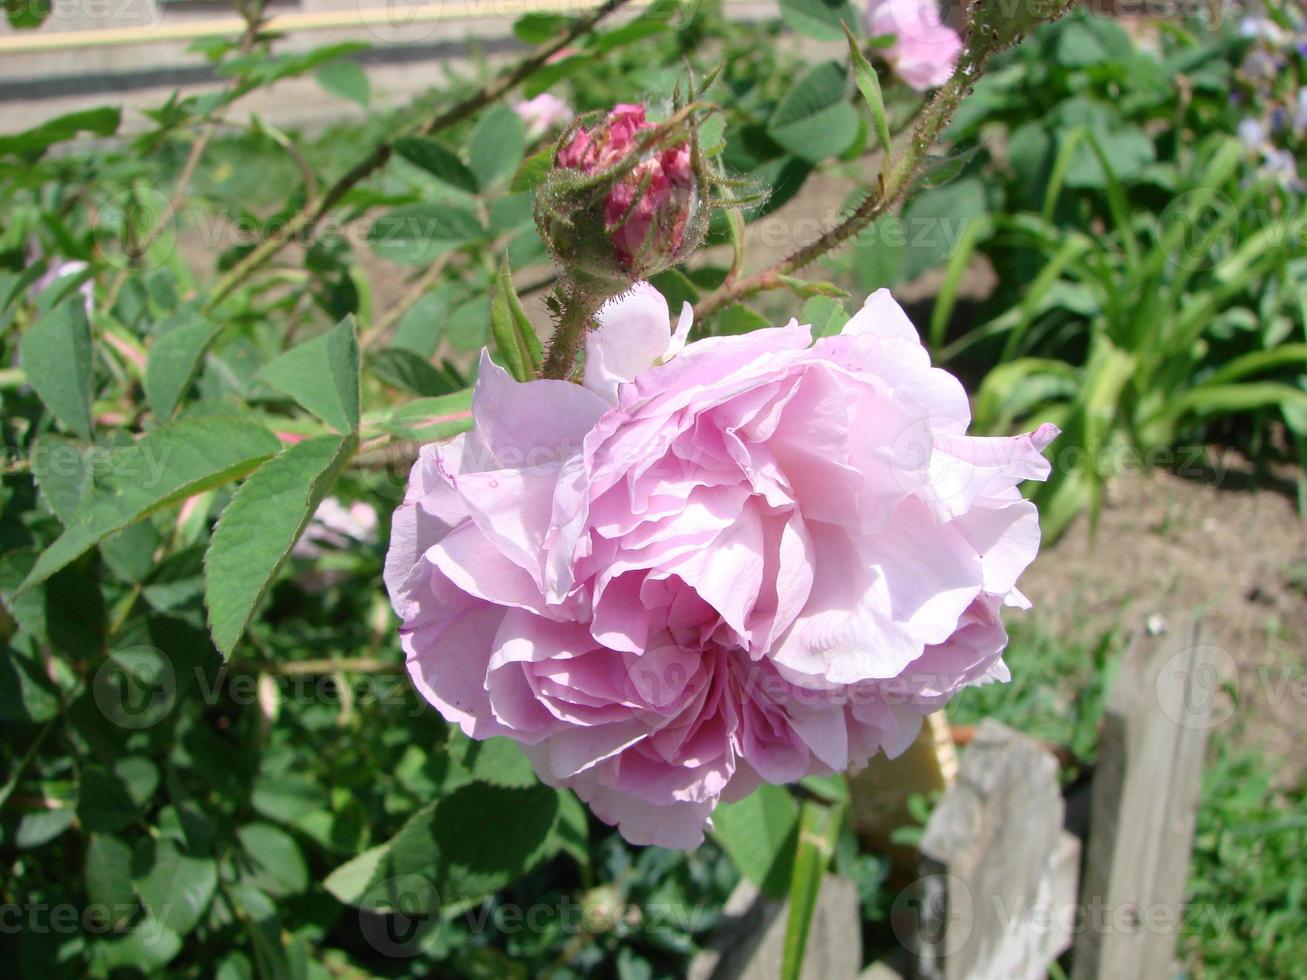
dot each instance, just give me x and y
(1225, 399)
(103, 801)
(431, 156)
(468, 844)
(500, 762)
(173, 361)
(826, 315)
(1130, 150)
(139, 776)
(419, 330)
(32, 143)
(322, 374)
(531, 171)
(820, 19)
(496, 146)
(973, 232)
(515, 338)
(430, 419)
(109, 873)
(1255, 362)
(287, 798)
(258, 914)
(933, 223)
(869, 86)
(480, 856)
(147, 949)
(738, 318)
(351, 881)
(26, 692)
(819, 826)
(417, 234)
(38, 828)
(814, 120)
(936, 171)
(536, 28)
(278, 866)
(401, 368)
(175, 887)
(573, 833)
(169, 464)
(806, 288)
(62, 471)
(55, 354)
(25, 16)
(759, 834)
(260, 526)
(346, 80)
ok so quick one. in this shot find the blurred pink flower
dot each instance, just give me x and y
(59, 269)
(334, 525)
(925, 50)
(743, 559)
(543, 113)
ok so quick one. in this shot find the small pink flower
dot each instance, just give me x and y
(543, 113)
(925, 50)
(743, 559)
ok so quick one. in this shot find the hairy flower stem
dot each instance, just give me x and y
(307, 218)
(578, 307)
(903, 174)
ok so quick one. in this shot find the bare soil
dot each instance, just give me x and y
(1218, 543)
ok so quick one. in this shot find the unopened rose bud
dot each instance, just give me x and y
(625, 199)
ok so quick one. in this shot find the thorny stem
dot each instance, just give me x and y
(307, 218)
(253, 21)
(934, 118)
(578, 309)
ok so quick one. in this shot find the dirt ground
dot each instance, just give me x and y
(1216, 543)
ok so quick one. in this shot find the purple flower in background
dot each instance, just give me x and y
(1252, 133)
(543, 113)
(925, 50)
(1280, 166)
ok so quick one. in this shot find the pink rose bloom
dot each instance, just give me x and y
(543, 113)
(743, 559)
(925, 51)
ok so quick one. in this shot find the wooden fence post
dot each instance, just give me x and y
(996, 896)
(1146, 783)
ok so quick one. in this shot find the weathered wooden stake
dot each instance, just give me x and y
(996, 896)
(1146, 784)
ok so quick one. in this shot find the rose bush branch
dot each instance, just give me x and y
(994, 26)
(253, 15)
(307, 218)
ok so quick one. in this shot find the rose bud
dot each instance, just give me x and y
(625, 200)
